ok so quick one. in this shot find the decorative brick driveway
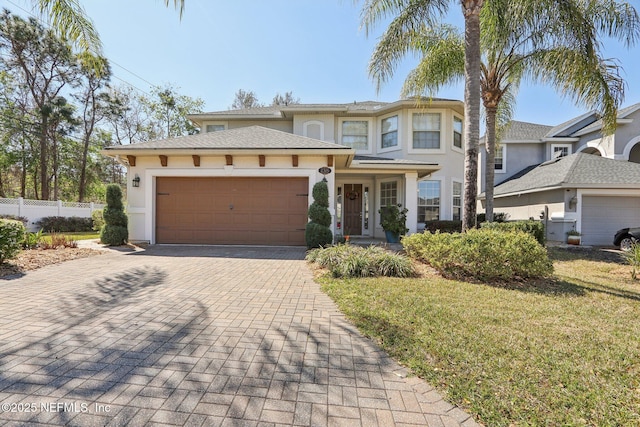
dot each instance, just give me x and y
(195, 336)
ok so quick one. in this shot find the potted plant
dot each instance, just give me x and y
(573, 237)
(393, 219)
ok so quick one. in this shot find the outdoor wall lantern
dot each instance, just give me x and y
(136, 181)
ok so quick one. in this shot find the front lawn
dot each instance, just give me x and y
(558, 352)
(76, 235)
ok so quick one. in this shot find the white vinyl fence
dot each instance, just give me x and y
(34, 210)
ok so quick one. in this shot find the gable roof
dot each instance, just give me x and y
(597, 125)
(246, 138)
(578, 170)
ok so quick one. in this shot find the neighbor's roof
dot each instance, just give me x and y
(246, 138)
(578, 170)
(284, 111)
(524, 131)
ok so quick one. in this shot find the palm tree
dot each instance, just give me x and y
(409, 15)
(552, 42)
(70, 20)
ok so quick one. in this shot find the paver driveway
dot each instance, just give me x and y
(195, 336)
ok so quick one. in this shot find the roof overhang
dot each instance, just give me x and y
(382, 167)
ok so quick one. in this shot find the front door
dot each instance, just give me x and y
(353, 209)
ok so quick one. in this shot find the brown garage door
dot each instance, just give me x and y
(231, 211)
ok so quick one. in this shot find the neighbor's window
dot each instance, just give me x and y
(355, 134)
(390, 132)
(426, 130)
(214, 128)
(560, 150)
(499, 158)
(388, 193)
(457, 201)
(428, 201)
(457, 132)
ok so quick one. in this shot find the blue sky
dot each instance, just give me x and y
(314, 48)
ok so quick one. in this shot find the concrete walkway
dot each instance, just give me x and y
(202, 336)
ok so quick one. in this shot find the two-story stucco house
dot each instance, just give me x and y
(247, 177)
(571, 176)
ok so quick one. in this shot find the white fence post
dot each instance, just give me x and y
(20, 205)
(59, 207)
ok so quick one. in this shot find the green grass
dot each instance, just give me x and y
(564, 351)
(76, 235)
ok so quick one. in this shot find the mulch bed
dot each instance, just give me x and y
(37, 258)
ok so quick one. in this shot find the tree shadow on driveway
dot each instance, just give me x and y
(95, 344)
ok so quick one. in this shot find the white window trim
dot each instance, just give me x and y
(453, 182)
(554, 146)
(306, 124)
(370, 139)
(444, 213)
(453, 147)
(504, 160)
(444, 128)
(379, 138)
(225, 124)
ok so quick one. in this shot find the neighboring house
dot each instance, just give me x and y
(247, 178)
(546, 172)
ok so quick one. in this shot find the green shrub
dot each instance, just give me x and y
(11, 238)
(97, 220)
(62, 224)
(443, 226)
(497, 217)
(23, 219)
(114, 232)
(535, 228)
(486, 254)
(355, 261)
(32, 240)
(633, 258)
(317, 232)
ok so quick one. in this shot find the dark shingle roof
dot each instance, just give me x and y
(252, 137)
(524, 131)
(578, 170)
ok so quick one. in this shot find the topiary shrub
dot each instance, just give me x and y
(355, 261)
(11, 237)
(486, 254)
(114, 232)
(317, 232)
(535, 228)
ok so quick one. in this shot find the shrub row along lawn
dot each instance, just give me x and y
(559, 351)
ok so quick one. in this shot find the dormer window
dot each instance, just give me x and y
(560, 150)
(215, 128)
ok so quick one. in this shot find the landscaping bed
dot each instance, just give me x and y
(36, 258)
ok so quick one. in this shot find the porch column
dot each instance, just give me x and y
(411, 200)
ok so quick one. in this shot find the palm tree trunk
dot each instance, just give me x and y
(491, 161)
(471, 11)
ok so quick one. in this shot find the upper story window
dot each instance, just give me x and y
(355, 134)
(389, 128)
(498, 164)
(560, 150)
(426, 130)
(457, 132)
(214, 128)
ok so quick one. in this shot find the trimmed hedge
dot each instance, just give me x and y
(11, 237)
(535, 228)
(23, 219)
(355, 261)
(443, 226)
(62, 224)
(487, 255)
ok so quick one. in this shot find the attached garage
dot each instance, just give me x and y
(602, 216)
(231, 211)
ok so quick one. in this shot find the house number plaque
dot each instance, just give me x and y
(324, 170)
